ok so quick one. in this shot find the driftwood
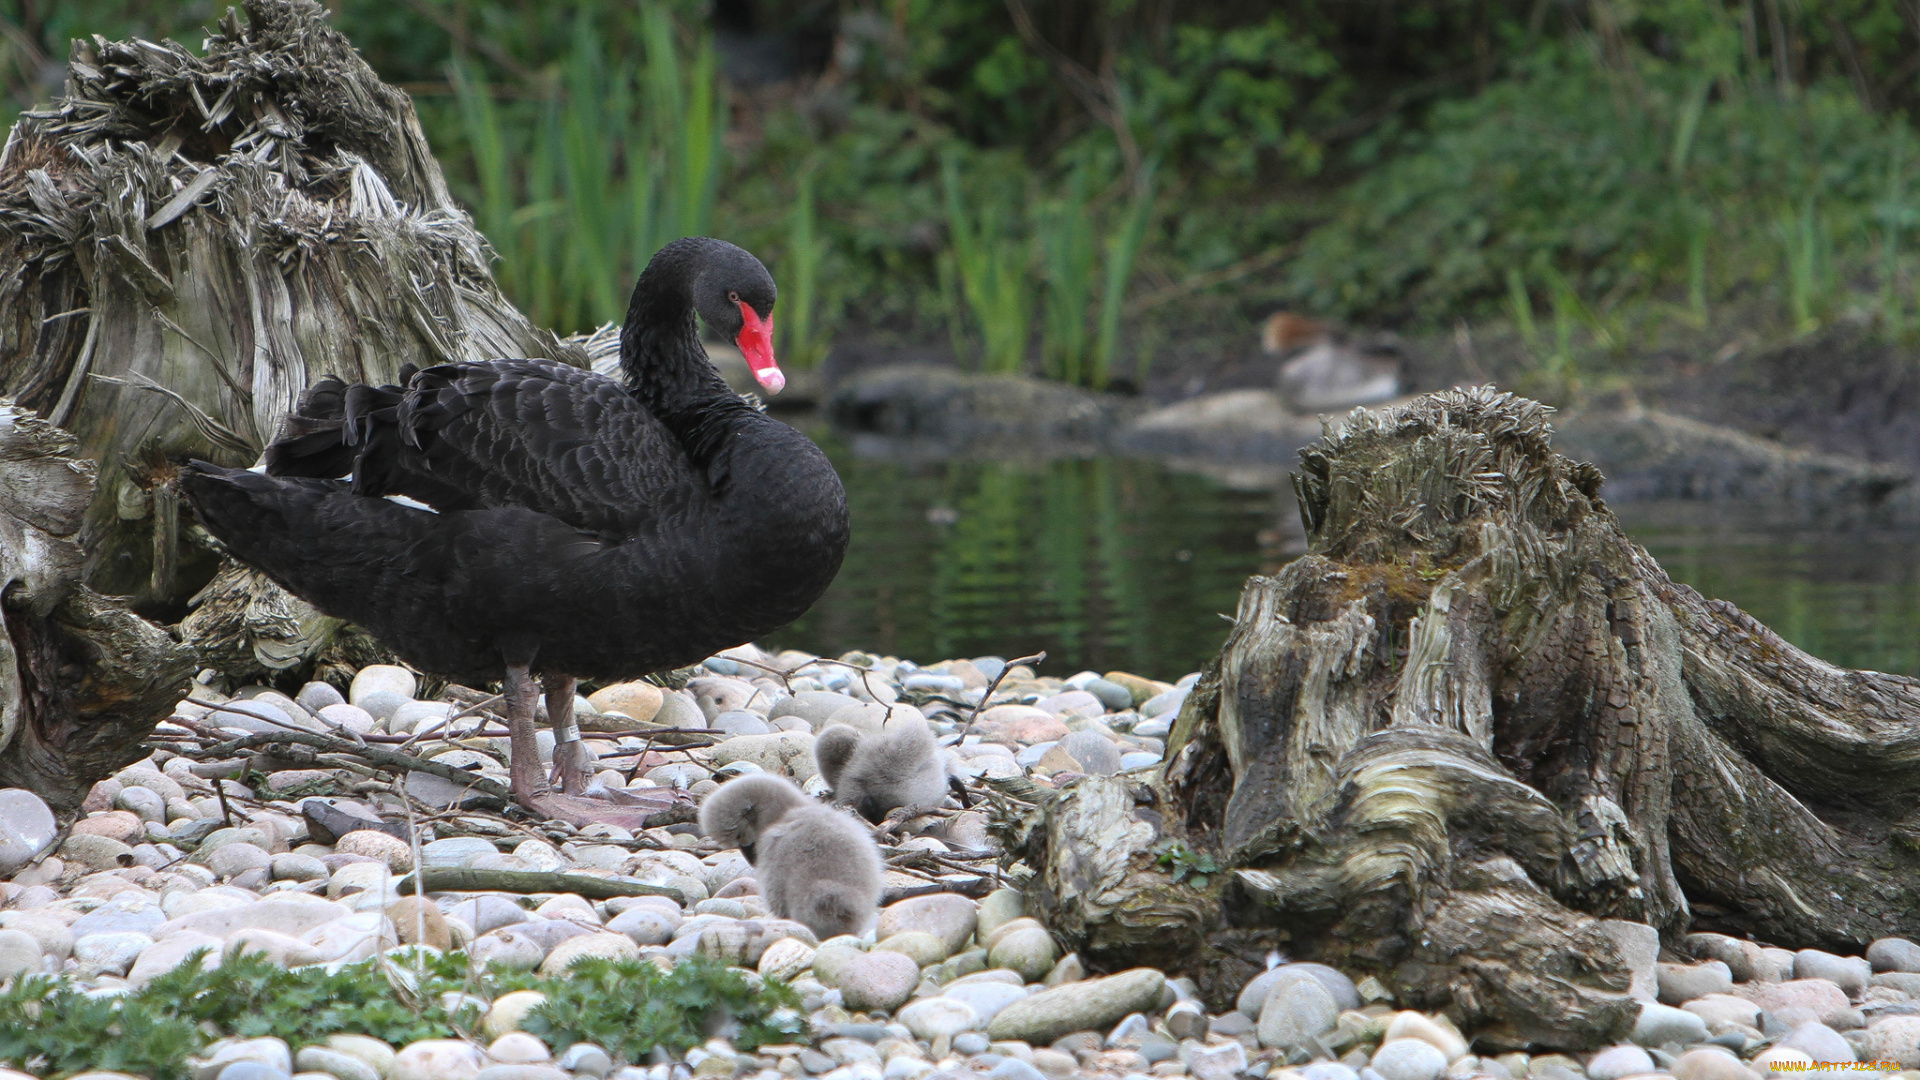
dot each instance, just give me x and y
(82, 680)
(190, 240)
(467, 879)
(1471, 723)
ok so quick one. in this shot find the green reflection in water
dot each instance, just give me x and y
(1118, 563)
(1849, 597)
(1104, 563)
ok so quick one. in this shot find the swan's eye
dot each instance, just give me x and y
(733, 296)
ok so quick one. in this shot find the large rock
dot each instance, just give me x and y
(1248, 425)
(1822, 1000)
(1093, 1004)
(987, 412)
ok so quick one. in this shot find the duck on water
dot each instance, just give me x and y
(572, 526)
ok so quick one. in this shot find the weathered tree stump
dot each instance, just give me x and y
(1472, 722)
(192, 239)
(82, 680)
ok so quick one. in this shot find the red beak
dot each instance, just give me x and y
(756, 344)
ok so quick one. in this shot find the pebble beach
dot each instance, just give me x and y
(179, 860)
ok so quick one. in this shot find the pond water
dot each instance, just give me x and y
(1118, 563)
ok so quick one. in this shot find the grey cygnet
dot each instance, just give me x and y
(815, 864)
(875, 774)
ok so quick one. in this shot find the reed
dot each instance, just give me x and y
(801, 344)
(577, 191)
(990, 269)
(1067, 248)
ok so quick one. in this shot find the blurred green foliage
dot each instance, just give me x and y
(977, 167)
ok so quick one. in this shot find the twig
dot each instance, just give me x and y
(1036, 658)
(467, 879)
(387, 758)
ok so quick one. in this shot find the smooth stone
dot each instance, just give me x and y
(1093, 1004)
(352, 717)
(437, 1059)
(931, 1018)
(1736, 954)
(315, 696)
(1408, 1059)
(603, 945)
(1096, 753)
(416, 716)
(268, 1051)
(1328, 1070)
(232, 860)
(786, 959)
(1619, 1062)
(586, 1059)
(1822, 1000)
(259, 717)
(1773, 965)
(290, 866)
(1296, 1008)
(1820, 1042)
(950, 917)
(132, 910)
(111, 953)
(1408, 1024)
(1770, 1061)
(1718, 1009)
(394, 853)
(518, 1048)
(20, 954)
(1894, 954)
(1850, 973)
(1660, 1024)
(1896, 1039)
(646, 925)
(457, 851)
(164, 956)
(334, 1063)
(878, 981)
(148, 806)
(1681, 983)
(997, 909)
(487, 913)
(508, 1010)
(249, 1070)
(740, 722)
(789, 753)
(1028, 950)
(382, 678)
(375, 1053)
(1709, 1065)
(924, 948)
(96, 852)
(507, 947)
(986, 998)
(354, 937)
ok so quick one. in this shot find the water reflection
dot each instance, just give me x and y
(1104, 563)
(1116, 563)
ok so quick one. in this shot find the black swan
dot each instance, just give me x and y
(878, 773)
(816, 865)
(578, 527)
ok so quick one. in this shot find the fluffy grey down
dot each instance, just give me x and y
(815, 864)
(875, 774)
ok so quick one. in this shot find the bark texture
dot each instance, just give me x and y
(82, 679)
(190, 239)
(1472, 723)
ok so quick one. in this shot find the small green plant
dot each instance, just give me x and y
(1184, 862)
(1065, 230)
(630, 1006)
(1123, 248)
(49, 1027)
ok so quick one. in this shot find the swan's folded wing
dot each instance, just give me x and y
(541, 435)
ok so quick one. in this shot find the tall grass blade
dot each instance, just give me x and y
(1123, 249)
(1066, 245)
(801, 307)
(1520, 305)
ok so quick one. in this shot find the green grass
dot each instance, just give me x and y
(577, 190)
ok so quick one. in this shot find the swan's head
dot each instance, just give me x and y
(737, 812)
(734, 294)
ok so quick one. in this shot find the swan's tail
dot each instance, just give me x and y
(347, 555)
(328, 434)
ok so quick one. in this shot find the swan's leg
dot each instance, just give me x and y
(572, 765)
(523, 772)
